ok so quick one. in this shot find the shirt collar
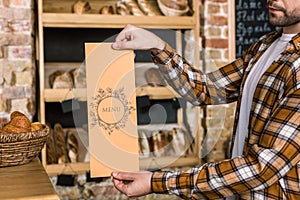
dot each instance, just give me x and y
(296, 41)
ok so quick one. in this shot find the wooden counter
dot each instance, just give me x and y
(29, 181)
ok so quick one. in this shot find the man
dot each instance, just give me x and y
(265, 82)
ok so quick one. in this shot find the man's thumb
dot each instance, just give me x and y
(122, 176)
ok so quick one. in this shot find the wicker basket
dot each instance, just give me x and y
(167, 11)
(21, 148)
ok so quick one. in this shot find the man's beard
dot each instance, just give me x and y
(287, 19)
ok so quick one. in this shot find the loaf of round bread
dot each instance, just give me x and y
(19, 123)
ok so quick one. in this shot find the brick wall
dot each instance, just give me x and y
(215, 33)
(17, 63)
(218, 120)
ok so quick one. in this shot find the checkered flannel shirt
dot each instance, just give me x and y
(270, 165)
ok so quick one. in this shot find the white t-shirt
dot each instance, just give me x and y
(271, 54)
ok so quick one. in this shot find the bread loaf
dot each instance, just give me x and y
(107, 10)
(60, 79)
(79, 77)
(16, 114)
(144, 149)
(149, 7)
(154, 78)
(36, 126)
(19, 123)
(81, 7)
(133, 8)
(122, 8)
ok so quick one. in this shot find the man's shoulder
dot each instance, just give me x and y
(264, 42)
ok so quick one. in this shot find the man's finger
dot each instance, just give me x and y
(122, 186)
(123, 176)
(123, 45)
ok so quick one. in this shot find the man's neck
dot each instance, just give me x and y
(293, 29)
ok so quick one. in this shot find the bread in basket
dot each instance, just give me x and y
(173, 7)
(21, 140)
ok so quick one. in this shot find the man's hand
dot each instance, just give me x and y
(135, 38)
(133, 184)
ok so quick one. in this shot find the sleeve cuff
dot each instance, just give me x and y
(158, 182)
(161, 56)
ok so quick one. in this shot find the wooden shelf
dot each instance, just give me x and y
(58, 14)
(115, 21)
(145, 164)
(67, 168)
(157, 92)
(58, 95)
(63, 65)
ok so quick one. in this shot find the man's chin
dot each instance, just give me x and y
(274, 21)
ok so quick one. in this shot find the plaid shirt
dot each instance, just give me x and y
(270, 165)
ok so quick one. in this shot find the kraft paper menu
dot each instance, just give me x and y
(111, 100)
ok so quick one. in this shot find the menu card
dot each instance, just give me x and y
(112, 118)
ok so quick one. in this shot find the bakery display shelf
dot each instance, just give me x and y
(58, 14)
(58, 95)
(67, 168)
(153, 162)
(81, 166)
(145, 164)
(63, 64)
(163, 92)
(71, 20)
(51, 67)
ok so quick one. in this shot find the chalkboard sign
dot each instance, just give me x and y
(251, 21)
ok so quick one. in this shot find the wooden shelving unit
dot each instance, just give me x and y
(116, 21)
(57, 95)
(57, 14)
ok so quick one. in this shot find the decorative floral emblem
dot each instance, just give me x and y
(110, 109)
